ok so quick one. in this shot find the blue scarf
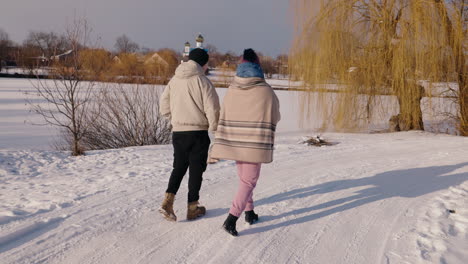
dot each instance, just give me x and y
(249, 69)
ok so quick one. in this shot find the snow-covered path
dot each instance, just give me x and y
(380, 198)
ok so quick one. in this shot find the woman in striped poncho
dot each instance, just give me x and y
(246, 133)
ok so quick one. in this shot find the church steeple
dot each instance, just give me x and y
(187, 48)
(199, 41)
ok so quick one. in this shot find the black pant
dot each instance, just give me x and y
(190, 151)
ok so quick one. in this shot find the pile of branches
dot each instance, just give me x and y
(317, 141)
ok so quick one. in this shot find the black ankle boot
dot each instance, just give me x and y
(251, 217)
(230, 224)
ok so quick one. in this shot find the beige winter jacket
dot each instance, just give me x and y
(246, 129)
(190, 100)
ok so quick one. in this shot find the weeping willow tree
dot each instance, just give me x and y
(352, 54)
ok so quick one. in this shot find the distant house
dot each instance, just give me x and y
(39, 61)
(156, 58)
(146, 60)
(62, 56)
(116, 59)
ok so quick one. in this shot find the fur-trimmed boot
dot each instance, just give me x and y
(230, 225)
(195, 210)
(251, 217)
(167, 207)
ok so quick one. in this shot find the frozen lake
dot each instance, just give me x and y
(20, 129)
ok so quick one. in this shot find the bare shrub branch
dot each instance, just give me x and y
(128, 115)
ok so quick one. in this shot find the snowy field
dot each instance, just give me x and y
(371, 198)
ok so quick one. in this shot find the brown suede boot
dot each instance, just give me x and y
(194, 210)
(167, 209)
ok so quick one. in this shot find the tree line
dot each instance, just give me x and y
(127, 62)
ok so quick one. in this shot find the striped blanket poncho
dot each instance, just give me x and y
(247, 124)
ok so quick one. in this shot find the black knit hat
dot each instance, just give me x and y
(200, 56)
(250, 56)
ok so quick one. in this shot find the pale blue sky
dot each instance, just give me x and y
(265, 25)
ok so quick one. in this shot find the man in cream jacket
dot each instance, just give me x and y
(191, 103)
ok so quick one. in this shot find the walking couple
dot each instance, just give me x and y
(244, 131)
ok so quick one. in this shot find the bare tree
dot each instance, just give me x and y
(282, 64)
(47, 44)
(124, 44)
(128, 116)
(216, 58)
(5, 45)
(211, 48)
(268, 65)
(4, 35)
(68, 96)
(146, 50)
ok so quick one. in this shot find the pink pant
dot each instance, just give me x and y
(248, 177)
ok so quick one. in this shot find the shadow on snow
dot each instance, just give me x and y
(408, 183)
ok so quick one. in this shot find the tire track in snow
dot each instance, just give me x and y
(28, 233)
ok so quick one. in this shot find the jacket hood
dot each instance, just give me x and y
(249, 69)
(246, 83)
(188, 69)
